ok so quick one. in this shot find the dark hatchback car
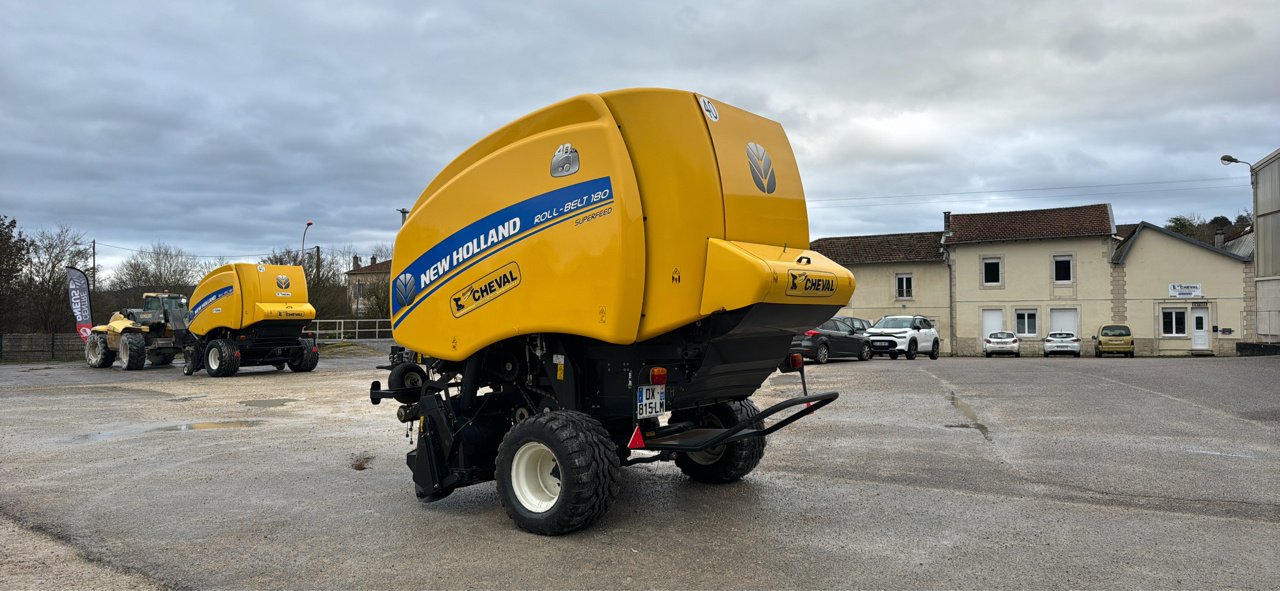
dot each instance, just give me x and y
(842, 336)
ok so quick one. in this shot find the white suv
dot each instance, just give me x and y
(903, 335)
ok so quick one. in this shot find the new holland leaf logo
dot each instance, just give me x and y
(406, 287)
(761, 168)
(282, 281)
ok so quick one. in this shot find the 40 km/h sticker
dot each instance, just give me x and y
(485, 290)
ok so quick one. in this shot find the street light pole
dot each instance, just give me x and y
(302, 250)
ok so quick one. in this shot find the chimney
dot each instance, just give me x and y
(373, 260)
(946, 221)
(1219, 237)
(355, 261)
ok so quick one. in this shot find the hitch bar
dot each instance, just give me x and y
(700, 439)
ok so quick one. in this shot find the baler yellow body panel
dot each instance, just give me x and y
(660, 222)
(239, 295)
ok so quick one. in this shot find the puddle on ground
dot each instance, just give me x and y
(211, 425)
(268, 402)
(969, 414)
(185, 398)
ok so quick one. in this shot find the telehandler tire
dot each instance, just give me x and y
(306, 363)
(96, 353)
(557, 472)
(723, 463)
(220, 359)
(133, 351)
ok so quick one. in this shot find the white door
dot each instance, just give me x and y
(1064, 320)
(992, 321)
(1199, 328)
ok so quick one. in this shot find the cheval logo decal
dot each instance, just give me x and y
(810, 284)
(406, 287)
(485, 290)
(282, 281)
(761, 168)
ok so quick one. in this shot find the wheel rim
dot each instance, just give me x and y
(823, 354)
(710, 455)
(212, 359)
(95, 350)
(124, 350)
(412, 380)
(535, 477)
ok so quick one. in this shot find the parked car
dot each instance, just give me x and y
(1001, 342)
(1113, 338)
(1062, 343)
(903, 335)
(842, 336)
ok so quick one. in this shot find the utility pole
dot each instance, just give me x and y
(315, 275)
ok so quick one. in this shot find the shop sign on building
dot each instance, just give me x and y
(1184, 290)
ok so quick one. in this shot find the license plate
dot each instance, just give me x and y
(651, 401)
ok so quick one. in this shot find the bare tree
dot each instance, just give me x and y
(159, 268)
(44, 283)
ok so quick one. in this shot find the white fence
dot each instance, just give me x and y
(349, 329)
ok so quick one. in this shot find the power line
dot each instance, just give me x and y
(909, 196)
(329, 250)
(1077, 195)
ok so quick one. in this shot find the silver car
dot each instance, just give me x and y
(1062, 343)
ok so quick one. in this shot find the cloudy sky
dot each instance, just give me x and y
(222, 127)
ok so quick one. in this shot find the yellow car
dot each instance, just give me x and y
(1113, 338)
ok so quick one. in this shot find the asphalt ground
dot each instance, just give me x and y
(955, 473)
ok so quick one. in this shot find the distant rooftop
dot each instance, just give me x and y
(881, 248)
(1060, 222)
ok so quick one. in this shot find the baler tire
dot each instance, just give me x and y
(96, 353)
(133, 351)
(406, 375)
(911, 349)
(933, 353)
(724, 463)
(306, 363)
(220, 359)
(822, 355)
(571, 443)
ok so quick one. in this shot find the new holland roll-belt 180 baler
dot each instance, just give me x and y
(246, 314)
(615, 273)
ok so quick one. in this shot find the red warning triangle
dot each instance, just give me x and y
(637, 440)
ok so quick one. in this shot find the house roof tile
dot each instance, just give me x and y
(378, 268)
(881, 248)
(1061, 222)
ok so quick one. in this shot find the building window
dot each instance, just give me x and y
(1063, 271)
(992, 271)
(1026, 323)
(1173, 322)
(904, 286)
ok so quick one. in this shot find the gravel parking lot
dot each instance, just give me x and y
(956, 473)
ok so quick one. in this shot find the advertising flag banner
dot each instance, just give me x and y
(78, 285)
